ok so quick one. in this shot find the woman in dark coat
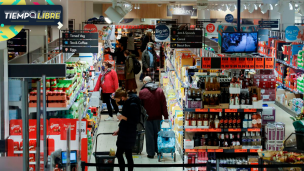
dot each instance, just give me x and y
(127, 127)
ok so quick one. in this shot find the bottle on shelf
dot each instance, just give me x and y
(248, 102)
(238, 121)
(253, 138)
(207, 85)
(206, 99)
(226, 142)
(222, 140)
(254, 96)
(230, 122)
(211, 84)
(221, 118)
(209, 141)
(211, 121)
(204, 139)
(258, 138)
(216, 122)
(237, 100)
(238, 139)
(212, 100)
(226, 120)
(243, 98)
(199, 120)
(205, 121)
(241, 79)
(231, 99)
(244, 140)
(187, 120)
(254, 121)
(217, 86)
(193, 120)
(249, 124)
(234, 122)
(245, 121)
(249, 139)
(215, 140)
(216, 99)
(232, 139)
(197, 141)
(259, 120)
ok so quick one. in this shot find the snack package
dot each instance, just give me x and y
(32, 168)
(16, 146)
(31, 157)
(32, 145)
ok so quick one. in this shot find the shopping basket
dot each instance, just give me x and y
(103, 157)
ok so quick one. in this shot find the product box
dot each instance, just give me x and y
(31, 157)
(16, 146)
(270, 132)
(268, 115)
(31, 167)
(188, 144)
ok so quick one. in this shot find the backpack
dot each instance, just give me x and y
(136, 65)
(142, 118)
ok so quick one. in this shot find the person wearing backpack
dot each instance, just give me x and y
(126, 132)
(154, 101)
(129, 71)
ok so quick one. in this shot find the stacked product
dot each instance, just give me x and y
(275, 135)
(290, 100)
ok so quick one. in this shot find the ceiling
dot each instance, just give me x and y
(167, 1)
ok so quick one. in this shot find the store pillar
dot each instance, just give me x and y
(287, 16)
(182, 18)
(203, 14)
(65, 20)
(4, 110)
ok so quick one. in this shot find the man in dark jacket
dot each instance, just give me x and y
(149, 61)
(154, 101)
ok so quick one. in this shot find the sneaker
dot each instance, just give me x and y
(109, 119)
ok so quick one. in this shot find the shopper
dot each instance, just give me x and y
(129, 70)
(154, 102)
(149, 61)
(130, 45)
(127, 127)
(147, 38)
(119, 53)
(108, 83)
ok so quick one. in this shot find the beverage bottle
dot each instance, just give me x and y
(193, 120)
(253, 139)
(211, 84)
(226, 142)
(216, 100)
(254, 121)
(237, 100)
(207, 86)
(199, 120)
(238, 121)
(231, 99)
(211, 121)
(187, 120)
(226, 120)
(221, 118)
(206, 99)
(245, 121)
(212, 101)
(259, 120)
(258, 138)
(238, 139)
(222, 140)
(249, 125)
(216, 122)
(249, 139)
(230, 121)
(206, 121)
(244, 140)
(234, 122)
(232, 139)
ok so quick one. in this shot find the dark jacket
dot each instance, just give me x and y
(120, 57)
(146, 59)
(145, 40)
(154, 101)
(127, 129)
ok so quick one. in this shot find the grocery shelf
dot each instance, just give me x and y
(222, 150)
(176, 73)
(48, 109)
(88, 85)
(223, 130)
(287, 88)
(290, 65)
(286, 109)
(16, 103)
(221, 110)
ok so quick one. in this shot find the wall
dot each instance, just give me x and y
(77, 12)
(97, 10)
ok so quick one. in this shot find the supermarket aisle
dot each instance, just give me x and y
(105, 142)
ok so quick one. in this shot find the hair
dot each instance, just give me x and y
(107, 64)
(126, 52)
(119, 93)
(147, 79)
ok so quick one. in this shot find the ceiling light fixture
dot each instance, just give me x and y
(255, 6)
(251, 8)
(108, 20)
(291, 5)
(242, 8)
(270, 7)
(232, 7)
(138, 7)
(264, 8)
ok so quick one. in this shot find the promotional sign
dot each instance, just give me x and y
(229, 18)
(269, 23)
(183, 10)
(294, 33)
(211, 29)
(186, 45)
(65, 123)
(15, 127)
(17, 43)
(162, 33)
(80, 42)
(186, 33)
(31, 14)
(263, 34)
(186, 39)
(81, 128)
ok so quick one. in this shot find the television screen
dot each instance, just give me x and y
(73, 157)
(239, 42)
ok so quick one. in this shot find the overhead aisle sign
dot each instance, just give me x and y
(186, 38)
(17, 43)
(80, 42)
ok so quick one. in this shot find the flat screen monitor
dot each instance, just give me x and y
(73, 157)
(239, 42)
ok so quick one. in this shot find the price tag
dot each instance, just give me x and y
(206, 63)
(235, 130)
(219, 150)
(215, 130)
(191, 150)
(211, 150)
(254, 129)
(249, 63)
(225, 63)
(231, 110)
(240, 150)
(202, 130)
(269, 63)
(242, 63)
(201, 110)
(259, 63)
(254, 150)
(250, 110)
(201, 150)
(233, 63)
(215, 110)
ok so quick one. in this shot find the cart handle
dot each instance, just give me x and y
(170, 124)
(97, 138)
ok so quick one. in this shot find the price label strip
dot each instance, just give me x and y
(206, 63)
(242, 63)
(240, 150)
(201, 110)
(250, 110)
(269, 63)
(231, 110)
(215, 110)
(225, 63)
(233, 63)
(249, 63)
(259, 63)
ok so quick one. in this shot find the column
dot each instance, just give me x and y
(287, 16)
(65, 20)
(203, 14)
(89, 12)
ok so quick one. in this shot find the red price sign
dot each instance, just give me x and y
(250, 110)
(235, 130)
(211, 150)
(215, 130)
(259, 63)
(233, 63)
(225, 63)
(202, 130)
(191, 150)
(269, 63)
(240, 150)
(215, 110)
(201, 110)
(254, 150)
(242, 63)
(254, 129)
(249, 63)
(219, 150)
(206, 63)
(231, 110)
(201, 150)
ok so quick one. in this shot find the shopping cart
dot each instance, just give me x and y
(103, 157)
(166, 141)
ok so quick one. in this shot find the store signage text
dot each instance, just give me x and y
(186, 45)
(31, 14)
(162, 32)
(17, 43)
(183, 10)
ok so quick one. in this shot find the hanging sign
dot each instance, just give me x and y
(206, 62)
(242, 63)
(229, 18)
(225, 63)
(186, 45)
(269, 63)
(17, 43)
(294, 33)
(162, 33)
(183, 10)
(259, 63)
(269, 23)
